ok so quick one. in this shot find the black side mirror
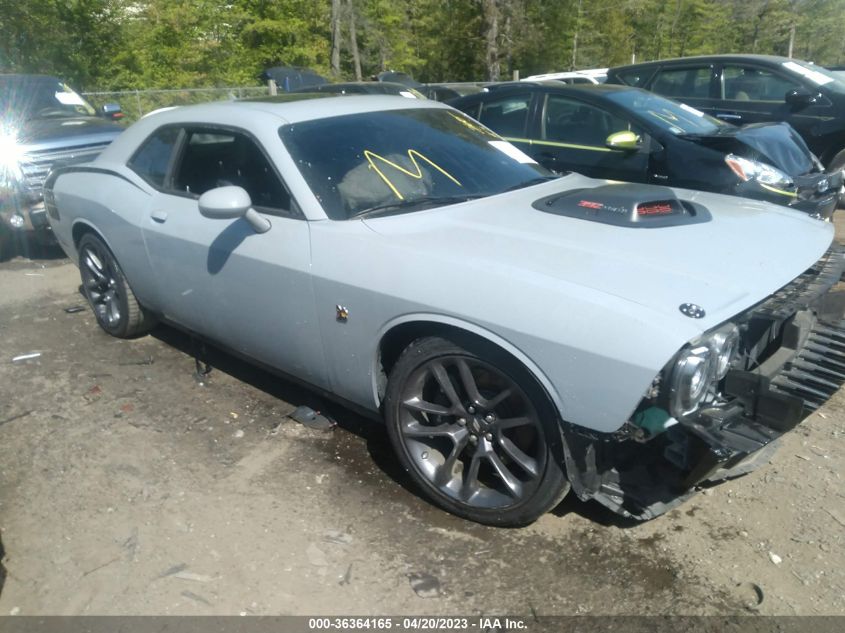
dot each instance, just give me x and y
(800, 98)
(112, 111)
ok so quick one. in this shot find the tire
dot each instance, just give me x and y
(475, 432)
(108, 292)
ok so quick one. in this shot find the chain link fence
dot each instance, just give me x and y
(137, 103)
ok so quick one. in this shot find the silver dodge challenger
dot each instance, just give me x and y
(520, 334)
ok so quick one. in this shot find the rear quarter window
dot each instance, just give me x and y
(150, 162)
(507, 116)
(636, 77)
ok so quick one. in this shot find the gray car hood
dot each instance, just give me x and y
(747, 251)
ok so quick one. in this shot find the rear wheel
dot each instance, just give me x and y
(475, 432)
(109, 294)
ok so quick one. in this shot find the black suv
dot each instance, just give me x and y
(753, 88)
(42, 123)
(629, 134)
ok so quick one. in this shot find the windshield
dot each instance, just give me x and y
(677, 118)
(24, 98)
(816, 75)
(390, 160)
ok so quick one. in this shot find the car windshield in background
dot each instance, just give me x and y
(404, 160)
(816, 75)
(26, 98)
(677, 118)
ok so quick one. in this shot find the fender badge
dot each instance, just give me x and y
(342, 313)
(692, 311)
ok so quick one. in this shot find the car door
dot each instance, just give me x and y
(753, 93)
(251, 292)
(693, 84)
(573, 134)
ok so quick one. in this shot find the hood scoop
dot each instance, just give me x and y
(629, 205)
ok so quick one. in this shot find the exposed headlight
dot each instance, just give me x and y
(691, 376)
(746, 170)
(724, 343)
(699, 366)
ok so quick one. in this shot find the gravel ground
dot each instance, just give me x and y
(128, 488)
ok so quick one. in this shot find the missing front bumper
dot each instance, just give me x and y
(643, 480)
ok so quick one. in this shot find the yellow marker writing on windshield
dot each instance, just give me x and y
(472, 125)
(372, 157)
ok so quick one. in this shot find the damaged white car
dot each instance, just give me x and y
(520, 334)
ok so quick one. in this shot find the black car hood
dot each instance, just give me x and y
(47, 130)
(774, 143)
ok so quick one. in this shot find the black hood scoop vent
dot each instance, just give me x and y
(630, 205)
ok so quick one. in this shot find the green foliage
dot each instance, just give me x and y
(126, 44)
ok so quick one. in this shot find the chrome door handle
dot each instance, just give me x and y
(729, 117)
(159, 216)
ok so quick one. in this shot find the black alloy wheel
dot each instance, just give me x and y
(475, 432)
(109, 294)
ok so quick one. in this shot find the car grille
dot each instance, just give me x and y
(818, 371)
(39, 163)
(806, 288)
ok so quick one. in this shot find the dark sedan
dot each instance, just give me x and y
(623, 133)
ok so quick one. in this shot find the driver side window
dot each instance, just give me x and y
(218, 158)
(746, 83)
(567, 120)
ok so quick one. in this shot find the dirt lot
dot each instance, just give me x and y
(128, 488)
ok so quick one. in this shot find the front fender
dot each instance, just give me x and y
(441, 320)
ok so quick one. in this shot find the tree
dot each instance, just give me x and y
(335, 28)
(111, 44)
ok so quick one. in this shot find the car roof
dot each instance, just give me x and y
(773, 59)
(371, 87)
(290, 108)
(593, 89)
(550, 86)
(259, 116)
(589, 73)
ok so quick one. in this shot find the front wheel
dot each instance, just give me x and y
(474, 432)
(108, 292)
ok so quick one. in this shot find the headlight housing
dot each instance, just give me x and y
(699, 367)
(692, 374)
(747, 169)
(725, 345)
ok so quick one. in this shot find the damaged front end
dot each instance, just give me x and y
(718, 408)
